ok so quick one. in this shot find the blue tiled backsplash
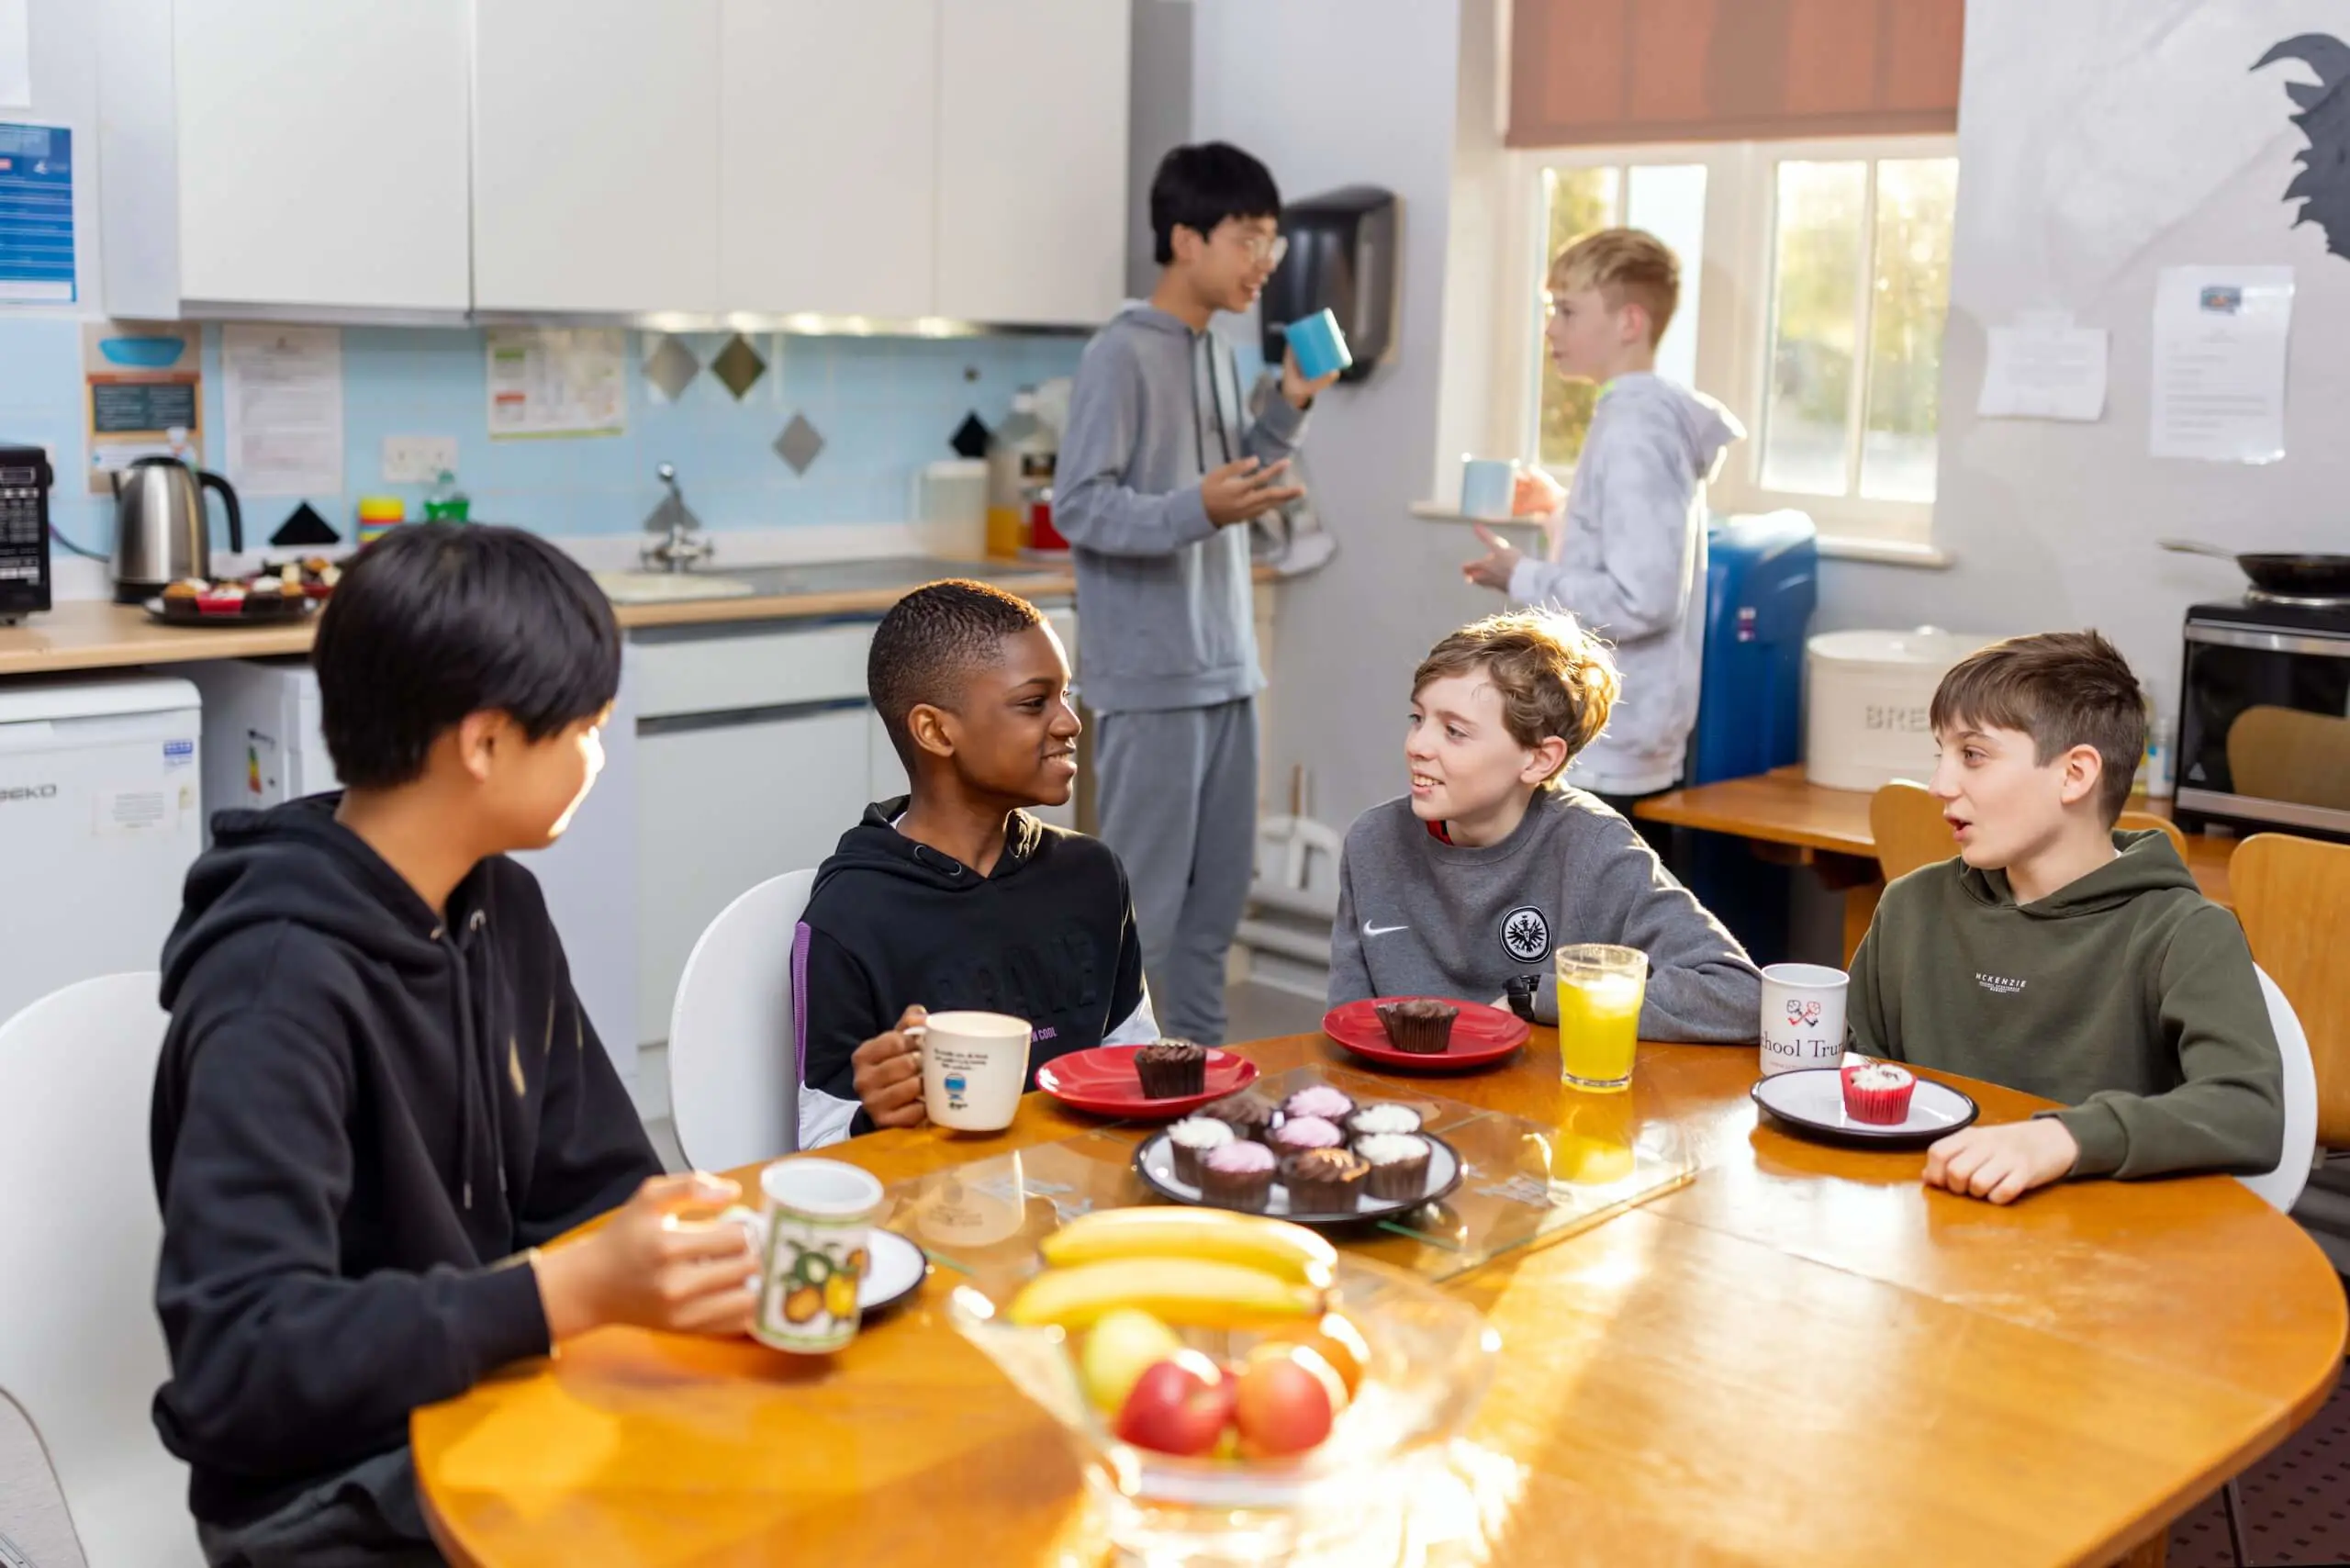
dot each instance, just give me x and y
(883, 405)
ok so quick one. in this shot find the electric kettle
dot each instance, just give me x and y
(161, 530)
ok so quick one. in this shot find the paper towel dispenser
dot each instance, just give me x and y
(1342, 258)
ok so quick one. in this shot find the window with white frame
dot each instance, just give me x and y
(1814, 281)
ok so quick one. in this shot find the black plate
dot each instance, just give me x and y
(1810, 1102)
(1155, 1164)
(278, 610)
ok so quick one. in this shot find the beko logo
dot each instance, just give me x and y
(27, 792)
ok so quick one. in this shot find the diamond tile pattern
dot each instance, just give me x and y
(799, 444)
(970, 438)
(738, 367)
(671, 367)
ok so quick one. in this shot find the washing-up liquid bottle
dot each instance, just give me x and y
(444, 502)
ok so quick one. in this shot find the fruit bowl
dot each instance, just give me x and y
(1430, 1358)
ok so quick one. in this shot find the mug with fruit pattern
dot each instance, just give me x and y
(813, 1235)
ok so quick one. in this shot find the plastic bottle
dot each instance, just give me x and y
(1020, 453)
(444, 502)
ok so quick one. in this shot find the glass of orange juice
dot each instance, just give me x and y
(1600, 988)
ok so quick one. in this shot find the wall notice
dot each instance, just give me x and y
(142, 394)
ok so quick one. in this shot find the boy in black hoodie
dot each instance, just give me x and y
(378, 1093)
(955, 897)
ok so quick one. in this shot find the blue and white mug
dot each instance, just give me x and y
(1488, 489)
(1318, 344)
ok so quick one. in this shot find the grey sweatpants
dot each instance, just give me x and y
(1177, 802)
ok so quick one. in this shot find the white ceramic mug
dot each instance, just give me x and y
(974, 1067)
(813, 1234)
(1803, 1016)
(1488, 489)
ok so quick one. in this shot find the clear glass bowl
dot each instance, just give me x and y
(1431, 1358)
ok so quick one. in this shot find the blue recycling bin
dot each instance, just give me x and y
(1762, 586)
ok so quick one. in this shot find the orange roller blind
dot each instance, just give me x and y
(1609, 71)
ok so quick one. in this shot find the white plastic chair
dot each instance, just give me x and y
(81, 1350)
(2282, 1187)
(734, 1062)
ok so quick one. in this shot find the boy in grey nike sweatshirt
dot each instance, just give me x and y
(1157, 467)
(2059, 956)
(1630, 553)
(1489, 865)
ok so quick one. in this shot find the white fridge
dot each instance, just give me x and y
(99, 820)
(262, 745)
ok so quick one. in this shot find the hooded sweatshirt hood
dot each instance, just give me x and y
(363, 1111)
(1629, 561)
(875, 844)
(2125, 995)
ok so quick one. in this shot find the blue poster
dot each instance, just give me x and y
(35, 215)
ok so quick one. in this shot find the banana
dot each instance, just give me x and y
(1289, 1251)
(1192, 1292)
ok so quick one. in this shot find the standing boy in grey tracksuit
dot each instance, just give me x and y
(1155, 468)
(1630, 553)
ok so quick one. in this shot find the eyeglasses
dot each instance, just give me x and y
(1268, 249)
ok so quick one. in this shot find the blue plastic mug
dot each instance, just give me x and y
(1318, 344)
(1488, 487)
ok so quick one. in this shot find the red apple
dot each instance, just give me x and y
(1178, 1406)
(1284, 1400)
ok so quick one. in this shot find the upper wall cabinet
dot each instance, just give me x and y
(302, 153)
(828, 154)
(596, 155)
(1031, 161)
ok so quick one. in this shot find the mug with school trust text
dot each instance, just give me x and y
(1803, 1016)
(974, 1066)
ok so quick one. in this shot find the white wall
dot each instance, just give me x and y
(1331, 93)
(65, 91)
(2100, 141)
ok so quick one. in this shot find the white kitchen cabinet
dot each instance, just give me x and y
(595, 155)
(751, 761)
(828, 156)
(303, 154)
(1031, 161)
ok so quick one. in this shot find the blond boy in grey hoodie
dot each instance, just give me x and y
(1629, 557)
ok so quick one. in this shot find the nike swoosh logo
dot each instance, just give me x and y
(1370, 930)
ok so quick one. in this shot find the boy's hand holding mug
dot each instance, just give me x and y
(889, 1075)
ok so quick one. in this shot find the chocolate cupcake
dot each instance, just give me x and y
(1422, 1027)
(1298, 1134)
(1247, 1112)
(1192, 1138)
(1383, 1117)
(1399, 1164)
(1323, 1181)
(1237, 1176)
(1320, 1099)
(1171, 1068)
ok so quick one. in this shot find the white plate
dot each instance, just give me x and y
(1812, 1100)
(894, 1272)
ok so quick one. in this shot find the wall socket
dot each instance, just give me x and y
(418, 459)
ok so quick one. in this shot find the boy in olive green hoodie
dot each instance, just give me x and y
(2059, 956)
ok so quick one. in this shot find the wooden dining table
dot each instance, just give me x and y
(1802, 1355)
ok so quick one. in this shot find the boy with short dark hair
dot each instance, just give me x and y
(378, 1093)
(1630, 556)
(1159, 474)
(1468, 885)
(954, 896)
(2059, 956)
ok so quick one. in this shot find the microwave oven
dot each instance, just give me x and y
(25, 481)
(2263, 718)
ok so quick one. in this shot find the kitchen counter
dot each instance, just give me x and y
(83, 635)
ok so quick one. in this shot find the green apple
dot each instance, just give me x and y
(1118, 1347)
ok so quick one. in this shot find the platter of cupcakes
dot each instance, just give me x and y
(283, 593)
(1865, 1101)
(1320, 1157)
(1425, 1031)
(1164, 1079)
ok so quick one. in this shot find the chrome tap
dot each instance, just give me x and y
(678, 548)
